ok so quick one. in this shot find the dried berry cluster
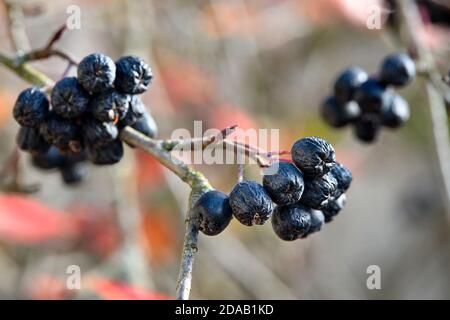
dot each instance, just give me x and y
(85, 114)
(299, 196)
(370, 103)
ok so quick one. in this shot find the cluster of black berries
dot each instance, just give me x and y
(299, 196)
(370, 103)
(84, 116)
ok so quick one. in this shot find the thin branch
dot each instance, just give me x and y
(16, 25)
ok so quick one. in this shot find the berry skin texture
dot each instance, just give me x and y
(110, 105)
(367, 129)
(397, 113)
(313, 156)
(69, 99)
(73, 174)
(318, 191)
(31, 107)
(334, 207)
(133, 75)
(347, 83)
(212, 213)
(286, 185)
(338, 115)
(146, 125)
(29, 139)
(107, 154)
(135, 112)
(62, 133)
(97, 134)
(291, 222)
(96, 73)
(317, 221)
(343, 177)
(397, 70)
(372, 97)
(49, 160)
(250, 203)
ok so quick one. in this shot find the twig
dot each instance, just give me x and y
(16, 26)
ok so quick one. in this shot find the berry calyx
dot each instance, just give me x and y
(313, 156)
(133, 75)
(69, 100)
(318, 191)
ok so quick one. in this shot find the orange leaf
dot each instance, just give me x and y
(26, 221)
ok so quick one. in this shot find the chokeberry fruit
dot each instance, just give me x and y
(367, 128)
(285, 185)
(372, 97)
(73, 174)
(146, 125)
(69, 99)
(62, 133)
(347, 82)
(135, 112)
(250, 203)
(51, 159)
(108, 154)
(313, 156)
(29, 139)
(343, 177)
(318, 191)
(317, 221)
(291, 222)
(96, 73)
(110, 105)
(96, 133)
(31, 107)
(212, 213)
(397, 113)
(397, 70)
(333, 207)
(337, 114)
(133, 75)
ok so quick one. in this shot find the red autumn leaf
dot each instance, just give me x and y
(114, 290)
(27, 221)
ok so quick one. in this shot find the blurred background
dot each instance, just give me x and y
(258, 64)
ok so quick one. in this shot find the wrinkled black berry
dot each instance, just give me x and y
(135, 112)
(29, 139)
(73, 174)
(110, 105)
(343, 177)
(318, 191)
(313, 156)
(333, 207)
(62, 133)
(212, 213)
(367, 128)
(317, 221)
(372, 97)
(31, 107)
(133, 75)
(347, 83)
(250, 203)
(51, 159)
(397, 113)
(146, 125)
(397, 70)
(284, 184)
(291, 222)
(97, 133)
(338, 115)
(96, 73)
(69, 99)
(107, 154)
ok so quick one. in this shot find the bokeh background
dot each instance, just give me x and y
(258, 64)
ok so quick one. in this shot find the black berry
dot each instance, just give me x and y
(333, 207)
(97, 133)
(62, 133)
(338, 115)
(317, 221)
(107, 154)
(291, 222)
(29, 139)
(51, 159)
(110, 105)
(146, 125)
(343, 177)
(284, 184)
(69, 99)
(73, 174)
(133, 75)
(135, 112)
(318, 191)
(397, 113)
(372, 97)
(347, 83)
(313, 156)
(96, 73)
(31, 107)
(250, 203)
(397, 70)
(212, 213)
(367, 128)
